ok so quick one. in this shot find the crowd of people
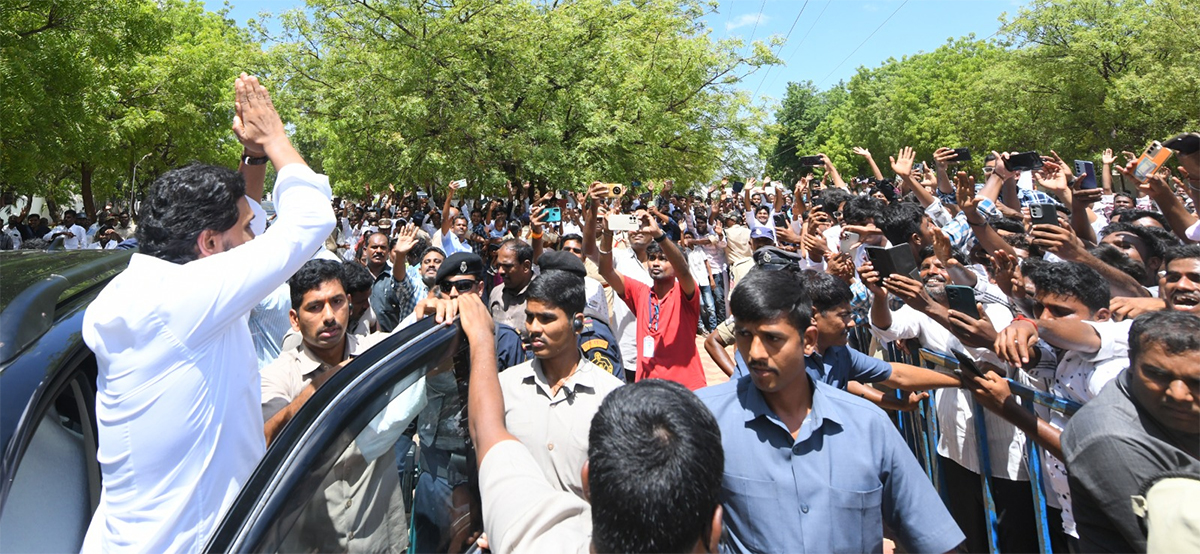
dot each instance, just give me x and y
(592, 420)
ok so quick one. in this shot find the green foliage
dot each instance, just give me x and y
(92, 86)
(1075, 76)
(419, 93)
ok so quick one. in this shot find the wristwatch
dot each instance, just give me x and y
(251, 160)
(660, 238)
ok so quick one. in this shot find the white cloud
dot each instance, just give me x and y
(746, 21)
(870, 8)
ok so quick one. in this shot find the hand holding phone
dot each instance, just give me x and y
(622, 222)
(1025, 161)
(1087, 170)
(962, 299)
(1043, 214)
(553, 215)
(1153, 158)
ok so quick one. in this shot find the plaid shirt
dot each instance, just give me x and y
(956, 228)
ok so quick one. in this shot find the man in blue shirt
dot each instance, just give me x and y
(808, 467)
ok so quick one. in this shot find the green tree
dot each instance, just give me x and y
(413, 92)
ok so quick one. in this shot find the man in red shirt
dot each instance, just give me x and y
(667, 312)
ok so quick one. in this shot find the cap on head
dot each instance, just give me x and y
(762, 233)
(563, 261)
(460, 263)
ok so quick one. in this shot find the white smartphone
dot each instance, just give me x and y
(848, 241)
(622, 222)
(461, 183)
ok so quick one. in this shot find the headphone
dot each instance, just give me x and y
(577, 324)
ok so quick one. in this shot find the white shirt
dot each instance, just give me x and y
(77, 242)
(177, 402)
(15, 235)
(449, 243)
(955, 407)
(112, 245)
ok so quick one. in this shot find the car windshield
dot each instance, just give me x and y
(24, 268)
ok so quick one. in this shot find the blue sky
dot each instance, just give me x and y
(821, 47)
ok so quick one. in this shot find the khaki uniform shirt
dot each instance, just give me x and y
(554, 427)
(358, 507)
(737, 244)
(508, 307)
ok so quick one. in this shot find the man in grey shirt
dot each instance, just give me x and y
(1142, 425)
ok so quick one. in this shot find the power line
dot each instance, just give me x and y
(756, 20)
(785, 38)
(860, 45)
(805, 37)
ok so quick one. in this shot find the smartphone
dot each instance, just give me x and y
(459, 184)
(1153, 158)
(1025, 161)
(962, 299)
(614, 190)
(781, 220)
(897, 260)
(553, 215)
(965, 362)
(848, 241)
(622, 222)
(1088, 170)
(1043, 214)
(919, 167)
(811, 161)
(962, 154)
(1184, 143)
(738, 186)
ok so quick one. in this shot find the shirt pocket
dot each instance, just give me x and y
(857, 519)
(751, 510)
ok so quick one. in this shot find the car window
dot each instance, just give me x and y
(349, 474)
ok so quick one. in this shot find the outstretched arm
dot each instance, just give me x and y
(485, 401)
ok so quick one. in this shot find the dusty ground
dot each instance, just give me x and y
(712, 373)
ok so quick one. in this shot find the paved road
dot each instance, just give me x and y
(712, 373)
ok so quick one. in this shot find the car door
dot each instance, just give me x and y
(329, 481)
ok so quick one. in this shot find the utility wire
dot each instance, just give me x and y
(805, 37)
(860, 45)
(785, 38)
(756, 20)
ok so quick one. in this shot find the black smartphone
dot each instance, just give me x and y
(966, 363)
(811, 161)
(962, 299)
(962, 154)
(892, 261)
(781, 220)
(738, 186)
(1088, 170)
(1043, 214)
(1025, 161)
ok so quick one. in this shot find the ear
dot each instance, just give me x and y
(1103, 314)
(810, 340)
(208, 243)
(583, 474)
(714, 534)
(294, 316)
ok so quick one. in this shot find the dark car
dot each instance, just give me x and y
(51, 479)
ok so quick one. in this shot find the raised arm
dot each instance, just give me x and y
(870, 161)
(987, 236)
(535, 231)
(591, 220)
(687, 283)
(941, 161)
(832, 171)
(798, 206)
(485, 401)
(1106, 170)
(615, 280)
(902, 164)
(447, 213)
(406, 239)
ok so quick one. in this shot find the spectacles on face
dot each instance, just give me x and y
(460, 286)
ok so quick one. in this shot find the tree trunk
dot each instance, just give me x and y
(85, 190)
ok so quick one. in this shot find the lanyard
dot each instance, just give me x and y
(652, 326)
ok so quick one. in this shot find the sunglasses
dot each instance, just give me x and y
(461, 286)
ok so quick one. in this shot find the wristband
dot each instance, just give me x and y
(660, 238)
(252, 160)
(534, 236)
(604, 252)
(1021, 317)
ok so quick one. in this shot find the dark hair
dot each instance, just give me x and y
(861, 208)
(927, 252)
(826, 291)
(1114, 257)
(184, 202)
(571, 236)
(1152, 241)
(1177, 332)
(429, 249)
(418, 251)
(653, 448)
(1190, 252)
(312, 275)
(766, 295)
(1072, 279)
(356, 278)
(1129, 215)
(71, 213)
(900, 221)
(523, 249)
(831, 200)
(561, 289)
(1126, 194)
(654, 248)
(1006, 224)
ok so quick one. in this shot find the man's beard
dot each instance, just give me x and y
(429, 280)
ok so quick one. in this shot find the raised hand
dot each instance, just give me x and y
(975, 333)
(862, 151)
(1107, 158)
(1000, 170)
(406, 240)
(902, 162)
(964, 192)
(943, 157)
(1051, 177)
(256, 123)
(910, 290)
(870, 278)
(649, 223)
